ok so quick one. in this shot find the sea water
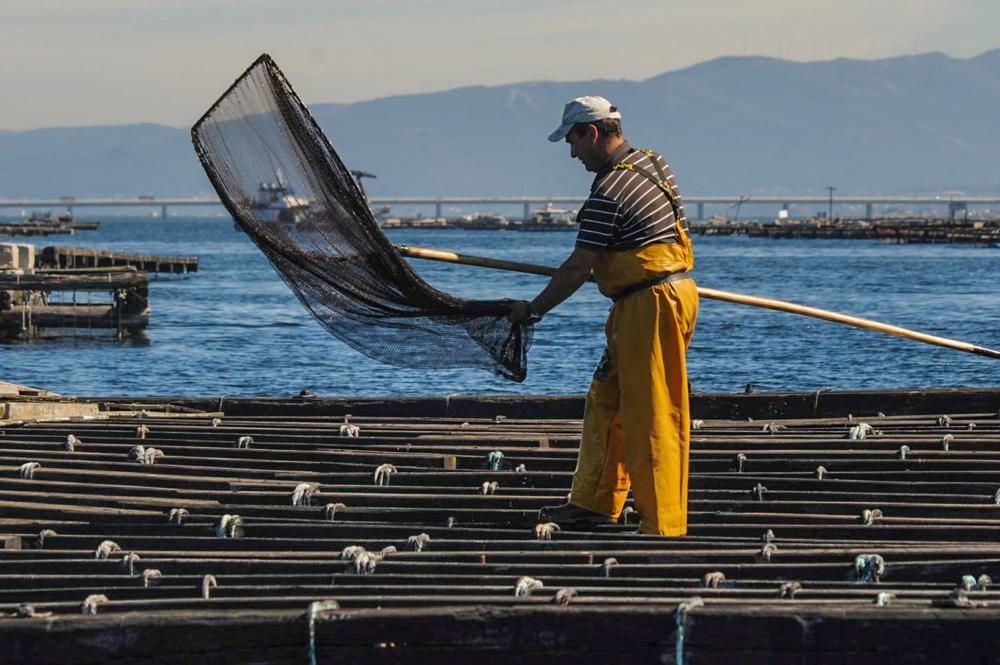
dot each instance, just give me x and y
(234, 328)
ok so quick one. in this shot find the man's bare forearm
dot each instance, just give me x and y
(567, 279)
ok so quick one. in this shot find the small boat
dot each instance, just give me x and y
(551, 219)
(481, 222)
(277, 202)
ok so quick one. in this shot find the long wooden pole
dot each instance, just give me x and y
(715, 294)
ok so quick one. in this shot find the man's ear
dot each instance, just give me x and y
(592, 134)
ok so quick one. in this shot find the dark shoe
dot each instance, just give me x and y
(569, 514)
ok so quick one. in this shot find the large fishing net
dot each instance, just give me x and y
(278, 175)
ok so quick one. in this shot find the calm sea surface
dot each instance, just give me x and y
(235, 329)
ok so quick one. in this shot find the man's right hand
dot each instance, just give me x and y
(520, 313)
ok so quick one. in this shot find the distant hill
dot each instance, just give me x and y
(746, 125)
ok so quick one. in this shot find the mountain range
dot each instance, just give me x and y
(734, 125)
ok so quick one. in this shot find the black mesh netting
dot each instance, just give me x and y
(280, 178)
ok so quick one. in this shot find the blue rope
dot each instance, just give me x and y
(314, 609)
(494, 459)
(869, 567)
(681, 617)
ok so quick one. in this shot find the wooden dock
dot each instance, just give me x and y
(824, 527)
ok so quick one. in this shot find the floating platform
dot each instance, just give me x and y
(43, 303)
(49, 293)
(88, 257)
(824, 527)
(46, 226)
(889, 229)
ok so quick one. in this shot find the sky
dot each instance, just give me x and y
(100, 62)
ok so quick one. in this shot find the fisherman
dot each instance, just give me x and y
(634, 239)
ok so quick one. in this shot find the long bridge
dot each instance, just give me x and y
(952, 202)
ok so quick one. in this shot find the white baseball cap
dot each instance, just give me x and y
(583, 109)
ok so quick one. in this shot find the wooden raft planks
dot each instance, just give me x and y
(939, 516)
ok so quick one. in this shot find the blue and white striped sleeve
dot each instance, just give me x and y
(599, 220)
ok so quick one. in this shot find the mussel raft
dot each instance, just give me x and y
(826, 527)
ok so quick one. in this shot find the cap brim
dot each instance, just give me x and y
(560, 132)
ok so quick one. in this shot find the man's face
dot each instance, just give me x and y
(583, 146)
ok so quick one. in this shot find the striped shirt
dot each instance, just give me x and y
(625, 209)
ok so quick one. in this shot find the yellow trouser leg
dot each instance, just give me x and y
(600, 483)
(650, 333)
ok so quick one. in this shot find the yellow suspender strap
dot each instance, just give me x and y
(662, 183)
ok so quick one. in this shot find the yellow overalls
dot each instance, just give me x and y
(637, 423)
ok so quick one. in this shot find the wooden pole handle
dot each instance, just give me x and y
(715, 294)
